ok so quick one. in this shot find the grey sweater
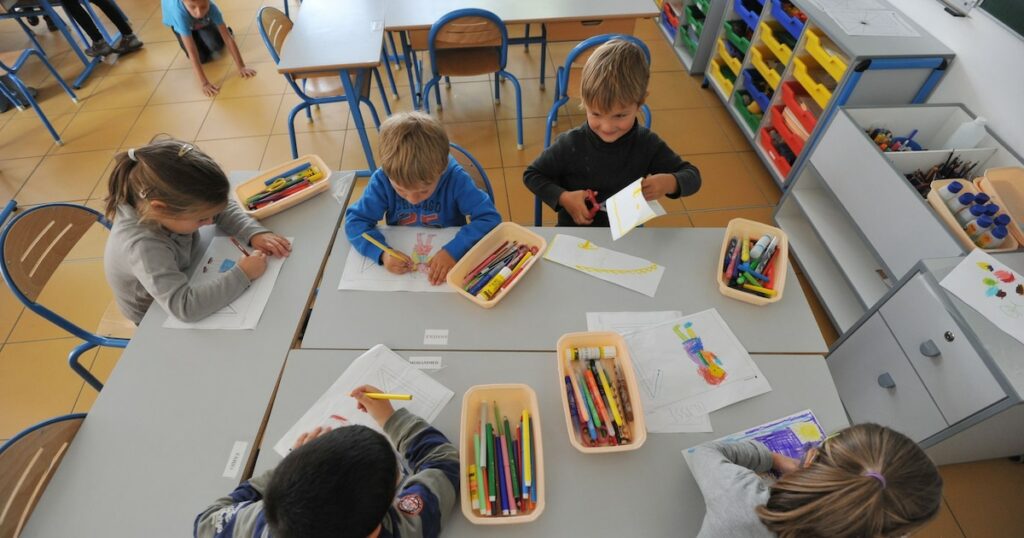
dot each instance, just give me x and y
(144, 263)
(727, 474)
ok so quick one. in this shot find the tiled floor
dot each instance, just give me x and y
(245, 127)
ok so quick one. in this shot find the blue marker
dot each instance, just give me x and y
(745, 267)
(289, 173)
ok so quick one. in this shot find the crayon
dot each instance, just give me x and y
(745, 253)
(573, 412)
(237, 245)
(610, 395)
(386, 396)
(510, 451)
(474, 497)
(759, 289)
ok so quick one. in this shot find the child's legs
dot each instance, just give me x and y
(115, 15)
(209, 38)
(204, 53)
(75, 10)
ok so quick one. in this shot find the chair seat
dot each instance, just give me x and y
(467, 62)
(328, 84)
(114, 325)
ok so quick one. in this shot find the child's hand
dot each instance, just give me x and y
(395, 265)
(309, 436)
(272, 244)
(254, 264)
(439, 265)
(380, 410)
(657, 185)
(784, 464)
(575, 202)
(246, 72)
(209, 89)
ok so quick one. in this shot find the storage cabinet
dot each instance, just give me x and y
(689, 26)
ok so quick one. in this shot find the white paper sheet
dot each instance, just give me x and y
(695, 359)
(383, 369)
(991, 288)
(245, 311)
(627, 271)
(628, 209)
(623, 322)
(362, 273)
(869, 23)
(790, 436)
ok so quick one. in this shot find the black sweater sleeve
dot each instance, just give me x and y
(543, 176)
(666, 161)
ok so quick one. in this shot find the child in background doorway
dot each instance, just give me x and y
(201, 32)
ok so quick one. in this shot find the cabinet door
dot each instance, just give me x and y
(871, 358)
(955, 375)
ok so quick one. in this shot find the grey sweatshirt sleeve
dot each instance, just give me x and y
(727, 476)
(235, 222)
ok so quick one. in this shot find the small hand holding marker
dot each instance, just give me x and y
(394, 261)
(253, 265)
(367, 402)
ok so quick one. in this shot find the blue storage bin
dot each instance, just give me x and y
(748, 16)
(792, 25)
(748, 84)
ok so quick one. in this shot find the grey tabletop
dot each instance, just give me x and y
(154, 450)
(412, 14)
(552, 300)
(328, 36)
(647, 492)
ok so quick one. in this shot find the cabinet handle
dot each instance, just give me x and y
(930, 349)
(886, 382)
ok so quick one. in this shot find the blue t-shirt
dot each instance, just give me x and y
(179, 19)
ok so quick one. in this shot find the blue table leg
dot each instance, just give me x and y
(409, 68)
(357, 115)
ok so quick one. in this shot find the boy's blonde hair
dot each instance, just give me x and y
(868, 480)
(616, 74)
(413, 149)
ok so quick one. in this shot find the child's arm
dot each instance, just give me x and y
(363, 216)
(543, 176)
(718, 467)
(237, 223)
(209, 89)
(477, 205)
(671, 176)
(229, 40)
(229, 515)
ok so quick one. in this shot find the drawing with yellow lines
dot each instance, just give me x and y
(628, 209)
(624, 270)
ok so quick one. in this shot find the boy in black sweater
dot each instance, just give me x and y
(612, 149)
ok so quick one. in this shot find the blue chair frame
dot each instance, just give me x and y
(90, 339)
(11, 72)
(483, 174)
(18, 436)
(499, 74)
(562, 94)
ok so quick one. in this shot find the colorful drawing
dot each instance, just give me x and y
(992, 288)
(708, 365)
(421, 252)
(1008, 307)
(790, 436)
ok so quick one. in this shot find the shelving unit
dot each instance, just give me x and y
(689, 27)
(795, 73)
(856, 225)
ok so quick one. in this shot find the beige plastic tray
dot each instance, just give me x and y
(638, 427)
(754, 229)
(1008, 183)
(939, 205)
(257, 184)
(506, 231)
(512, 398)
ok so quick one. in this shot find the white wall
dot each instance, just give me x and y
(988, 72)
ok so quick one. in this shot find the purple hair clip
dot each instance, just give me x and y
(876, 475)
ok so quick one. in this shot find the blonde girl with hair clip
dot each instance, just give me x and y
(159, 195)
(864, 481)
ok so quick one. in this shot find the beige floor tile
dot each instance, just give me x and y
(670, 90)
(180, 85)
(663, 58)
(353, 157)
(36, 383)
(221, 59)
(521, 200)
(65, 177)
(236, 153)
(154, 31)
(78, 291)
(479, 138)
(254, 51)
(243, 18)
(56, 102)
(533, 139)
(557, 52)
(121, 91)
(266, 82)
(10, 309)
(327, 144)
(719, 218)
(13, 174)
(691, 131)
(725, 183)
(328, 117)
(525, 64)
(139, 10)
(536, 101)
(672, 220)
(99, 129)
(34, 73)
(179, 120)
(761, 176)
(70, 67)
(25, 135)
(647, 29)
(496, 176)
(243, 117)
(104, 363)
(943, 526)
(985, 497)
(152, 57)
(736, 135)
(468, 101)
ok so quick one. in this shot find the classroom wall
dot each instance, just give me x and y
(988, 73)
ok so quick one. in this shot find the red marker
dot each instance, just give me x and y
(237, 244)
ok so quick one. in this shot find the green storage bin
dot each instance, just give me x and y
(689, 44)
(702, 5)
(697, 23)
(753, 120)
(737, 40)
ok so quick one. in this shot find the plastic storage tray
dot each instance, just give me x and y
(748, 83)
(702, 5)
(778, 48)
(757, 59)
(511, 399)
(790, 90)
(752, 120)
(780, 162)
(257, 184)
(793, 25)
(832, 62)
(954, 226)
(732, 62)
(506, 231)
(696, 22)
(719, 77)
(741, 43)
(749, 16)
(820, 91)
(793, 141)
(638, 427)
(753, 229)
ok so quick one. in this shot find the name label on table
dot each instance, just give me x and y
(426, 363)
(435, 337)
(376, 26)
(235, 459)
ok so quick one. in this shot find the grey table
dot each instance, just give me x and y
(154, 449)
(552, 300)
(648, 492)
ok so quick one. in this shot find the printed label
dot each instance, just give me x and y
(426, 363)
(435, 337)
(235, 459)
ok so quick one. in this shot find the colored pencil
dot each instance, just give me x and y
(238, 245)
(508, 474)
(492, 476)
(385, 248)
(386, 396)
(514, 479)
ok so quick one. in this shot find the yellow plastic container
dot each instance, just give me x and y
(723, 83)
(832, 62)
(757, 58)
(753, 230)
(734, 64)
(1009, 182)
(257, 184)
(638, 427)
(512, 399)
(940, 207)
(778, 48)
(820, 92)
(506, 231)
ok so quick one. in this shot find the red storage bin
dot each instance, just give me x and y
(793, 141)
(773, 155)
(790, 91)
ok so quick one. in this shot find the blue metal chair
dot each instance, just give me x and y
(468, 42)
(473, 168)
(567, 86)
(314, 90)
(28, 461)
(33, 244)
(12, 62)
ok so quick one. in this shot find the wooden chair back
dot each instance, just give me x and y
(39, 241)
(468, 32)
(277, 25)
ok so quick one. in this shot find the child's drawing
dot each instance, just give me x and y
(992, 289)
(790, 436)
(627, 271)
(708, 365)
(362, 273)
(421, 252)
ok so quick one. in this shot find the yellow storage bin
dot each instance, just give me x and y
(723, 83)
(820, 92)
(757, 58)
(778, 48)
(733, 63)
(824, 52)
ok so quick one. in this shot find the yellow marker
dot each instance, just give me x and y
(745, 256)
(527, 459)
(611, 396)
(759, 289)
(386, 248)
(386, 396)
